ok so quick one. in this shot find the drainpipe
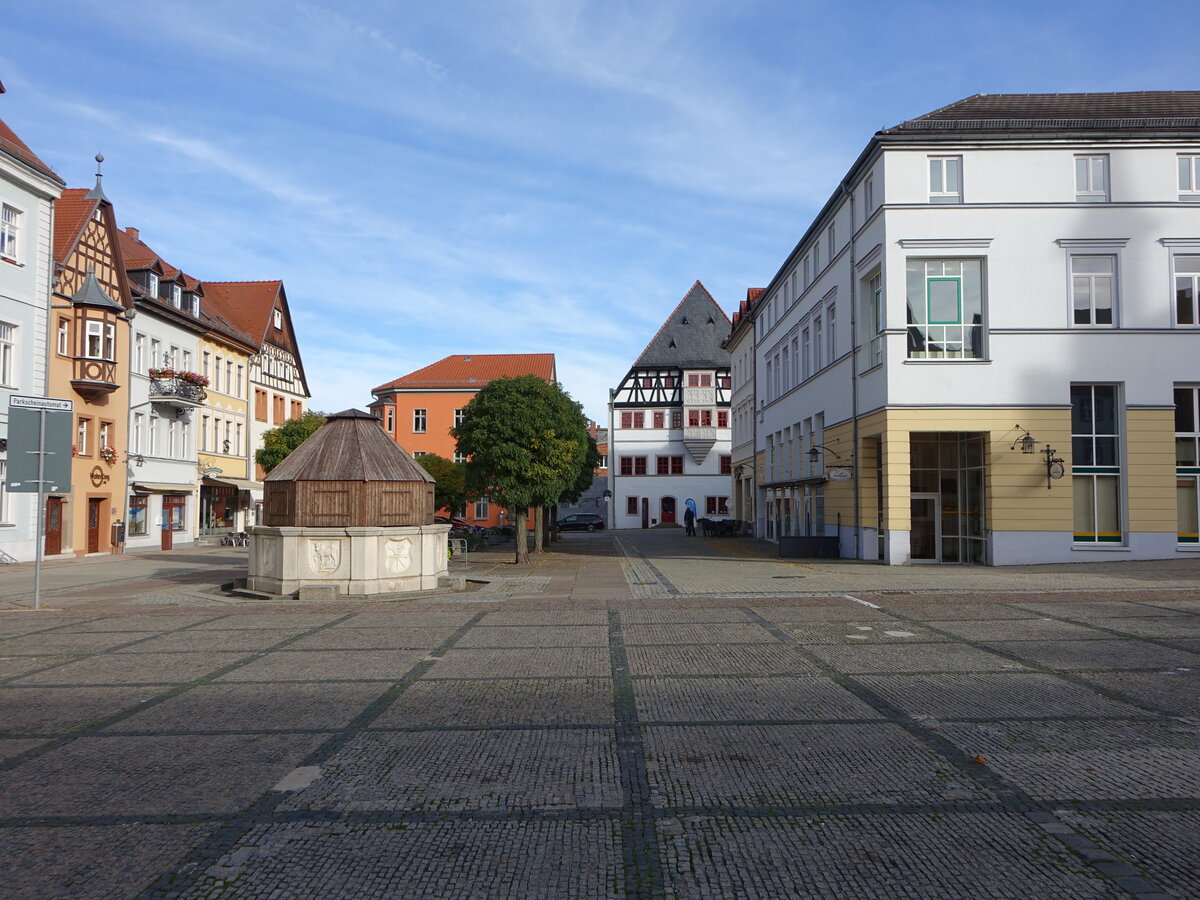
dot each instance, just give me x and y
(854, 480)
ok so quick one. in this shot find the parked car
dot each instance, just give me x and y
(457, 524)
(581, 522)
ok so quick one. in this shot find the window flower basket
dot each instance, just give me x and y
(192, 378)
(108, 454)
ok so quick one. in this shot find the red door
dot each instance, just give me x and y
(93, 525)
(667, 513)
(53, 526)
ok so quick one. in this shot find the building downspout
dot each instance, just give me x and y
(849, 194)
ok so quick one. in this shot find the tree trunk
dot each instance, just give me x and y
(539, 529)
(521, 535)
(552, 529)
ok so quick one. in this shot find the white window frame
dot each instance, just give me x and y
(152, 284)
(10, 232)
(868, 194)
(93, 332)
(278, 319)
(83, 436)
(1091, 277)
(420, 421)
(1188, 168)
(175, 294)
(64, 337)
(1082, 472)
(3, 492)
(481, 510)
(876, 318)
(138, 427)
(1092, 178)
(460, 457)
(941, 171)
(1176, 278)
(8, 354)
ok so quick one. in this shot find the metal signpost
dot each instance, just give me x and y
(39, 453)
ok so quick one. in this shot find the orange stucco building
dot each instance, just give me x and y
(419, 409)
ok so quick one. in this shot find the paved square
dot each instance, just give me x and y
(586, 727)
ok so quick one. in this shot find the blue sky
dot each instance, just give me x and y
(514, 175)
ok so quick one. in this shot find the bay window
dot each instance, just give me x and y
(945, 308)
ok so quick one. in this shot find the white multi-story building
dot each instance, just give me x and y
(165, 393)
(28, 190)
(669, 422)
(986, 347)
(741, 348)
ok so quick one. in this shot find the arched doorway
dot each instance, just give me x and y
(666, 511)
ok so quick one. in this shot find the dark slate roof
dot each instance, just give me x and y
(93, 294)
(1131, 111)
(691, 338)
(350, 446)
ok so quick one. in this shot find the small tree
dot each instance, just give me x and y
(450, 477)
(279, 442)
(525, 439)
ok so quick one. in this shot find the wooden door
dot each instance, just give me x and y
(667, 513)
(645, 512)
(53, 526)
(93, 525)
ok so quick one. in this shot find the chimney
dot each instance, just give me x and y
(132, 232)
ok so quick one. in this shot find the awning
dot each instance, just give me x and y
(146, 487)
(242, 484)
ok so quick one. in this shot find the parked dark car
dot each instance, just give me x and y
(581, 522)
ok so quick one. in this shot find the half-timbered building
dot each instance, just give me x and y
(669, 422)
(89, 364)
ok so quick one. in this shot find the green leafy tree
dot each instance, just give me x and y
(450, 490)
(526, 440)
(279, 442)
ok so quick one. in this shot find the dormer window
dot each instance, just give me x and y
(278, 319)
(194, 304)
(152, 284)
(175, 294)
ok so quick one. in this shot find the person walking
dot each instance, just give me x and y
(689, 522)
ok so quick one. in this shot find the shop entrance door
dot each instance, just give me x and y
(93, 525)
(925, 536)
(53, 526)
(667, 512)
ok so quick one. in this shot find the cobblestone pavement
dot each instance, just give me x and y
(614, 720)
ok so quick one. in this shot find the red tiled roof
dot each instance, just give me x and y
(137, 254)
(10, 143)
(473, 371)
(71, 214)
(247, 304)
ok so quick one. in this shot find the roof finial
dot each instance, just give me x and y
(97, 193)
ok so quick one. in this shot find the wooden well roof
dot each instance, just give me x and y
(350, 446)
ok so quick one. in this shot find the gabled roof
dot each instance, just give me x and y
(473, 371)
(692, 335)
(247, 304)
(137, 253)
(1131, 111)
(17, 148)
(71, 214)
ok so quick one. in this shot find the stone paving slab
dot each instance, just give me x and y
(134, 668)
(939, 612)
(913, 658)
(327, 665)
(255, 707)
(791, 765)
(421, 637)
(15, 666)
(1012, 695)
(56, 643)
(580, 662)
(1168, 627)
(742, 699)
(1173, 691)
(104, 862)
(93, 776)
(746, 659)
(547, 617)
(469, 771)
(529, 636)
(1102, 609)
(987, 630)
(32, 710)
(1087, 761)
(497, 860)
(705, 633)
(1091, 655)
(125, 624)
(497, 701)
(845, 611)
(928, 856)
(1160, 842)
(10, 747)
(195, 641)
(855, 633)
